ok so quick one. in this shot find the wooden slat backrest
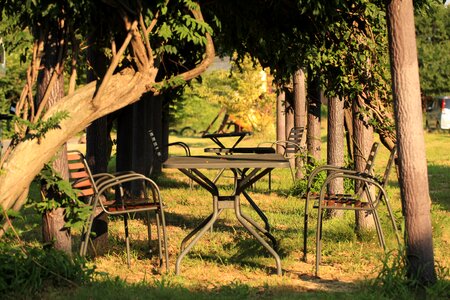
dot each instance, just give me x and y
(156, 148)
(79, 174)
(368, 169)
(294, 139)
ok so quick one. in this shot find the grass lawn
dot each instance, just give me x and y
(228, 263)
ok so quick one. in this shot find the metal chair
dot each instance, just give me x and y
(352, 201)
(291, 148)
(158, 152)
(106, 191)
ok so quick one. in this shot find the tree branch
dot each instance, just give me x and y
(114, 63)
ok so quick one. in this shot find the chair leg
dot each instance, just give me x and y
(391, 215)
(158, 232)
(305, 230)
(149, 232)
(319, 239)
(127, 239)
(270, 181)
(160, 212)
(380, 234)
(85, 236)
(292, 174)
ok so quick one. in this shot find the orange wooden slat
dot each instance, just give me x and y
(76, 165)
(80, 174)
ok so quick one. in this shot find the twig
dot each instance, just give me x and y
(114, 63)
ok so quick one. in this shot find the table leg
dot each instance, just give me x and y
(212, 218)
(258, 210)
(199, 227)
(243, 221)
(264, 231)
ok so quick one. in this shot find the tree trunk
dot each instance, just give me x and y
(98, 150)
(362, 142)
(281, 119)
(335, 146)
(349, 136)
(410, 138)
(98, 139)
(289, 113)
(313, 137)
(299, 112)
(53, 230)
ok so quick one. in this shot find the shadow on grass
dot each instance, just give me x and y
(169, 288)
(439, 178)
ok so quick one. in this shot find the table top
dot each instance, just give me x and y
(259, 150)
(227, 161)
(226, 134)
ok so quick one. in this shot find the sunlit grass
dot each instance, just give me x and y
(229, 263)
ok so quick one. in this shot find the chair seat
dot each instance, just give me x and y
(130, 205)
(341, 201)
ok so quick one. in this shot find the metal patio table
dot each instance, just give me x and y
(217, 137)
(247, 169)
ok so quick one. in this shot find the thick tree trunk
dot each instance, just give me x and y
(362, 142)
(410, 138)
(53, 230)
(313, 138)
(281, 119)
(299, 112)
(348, 122)
(335, 146)
(98, 150)
(289, 113)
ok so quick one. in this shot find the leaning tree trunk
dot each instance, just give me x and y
(362, 143)
(335, 146)
(25, 159)
(299, 112)
(281, 118)
(53, 230)
(410, 138)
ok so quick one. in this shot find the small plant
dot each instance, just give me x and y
(28, 270)
(394, 282)
(59, 193)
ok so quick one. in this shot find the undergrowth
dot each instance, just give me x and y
(28, 270)
(393, 281)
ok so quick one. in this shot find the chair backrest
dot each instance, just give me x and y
(389, 166)
(156, 148)
(80, 175)
(294, 139)
(368, 169)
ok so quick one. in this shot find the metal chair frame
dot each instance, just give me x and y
(292, 147)
(159, 155)
(350, 201)
(97, 189)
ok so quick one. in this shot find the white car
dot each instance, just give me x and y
(438, 113)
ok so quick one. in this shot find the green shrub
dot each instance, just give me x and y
(29, 270)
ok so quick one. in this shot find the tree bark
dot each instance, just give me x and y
(26, 158)
(362, 142)
(289, 113)
(410, 138)
(299, 112)
(335, 146)
(281, 118)
(53, 230)
(313, 137)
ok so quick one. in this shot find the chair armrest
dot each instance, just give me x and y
(332, 168)
(185, 146)
(363, 177)
(118, 181)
